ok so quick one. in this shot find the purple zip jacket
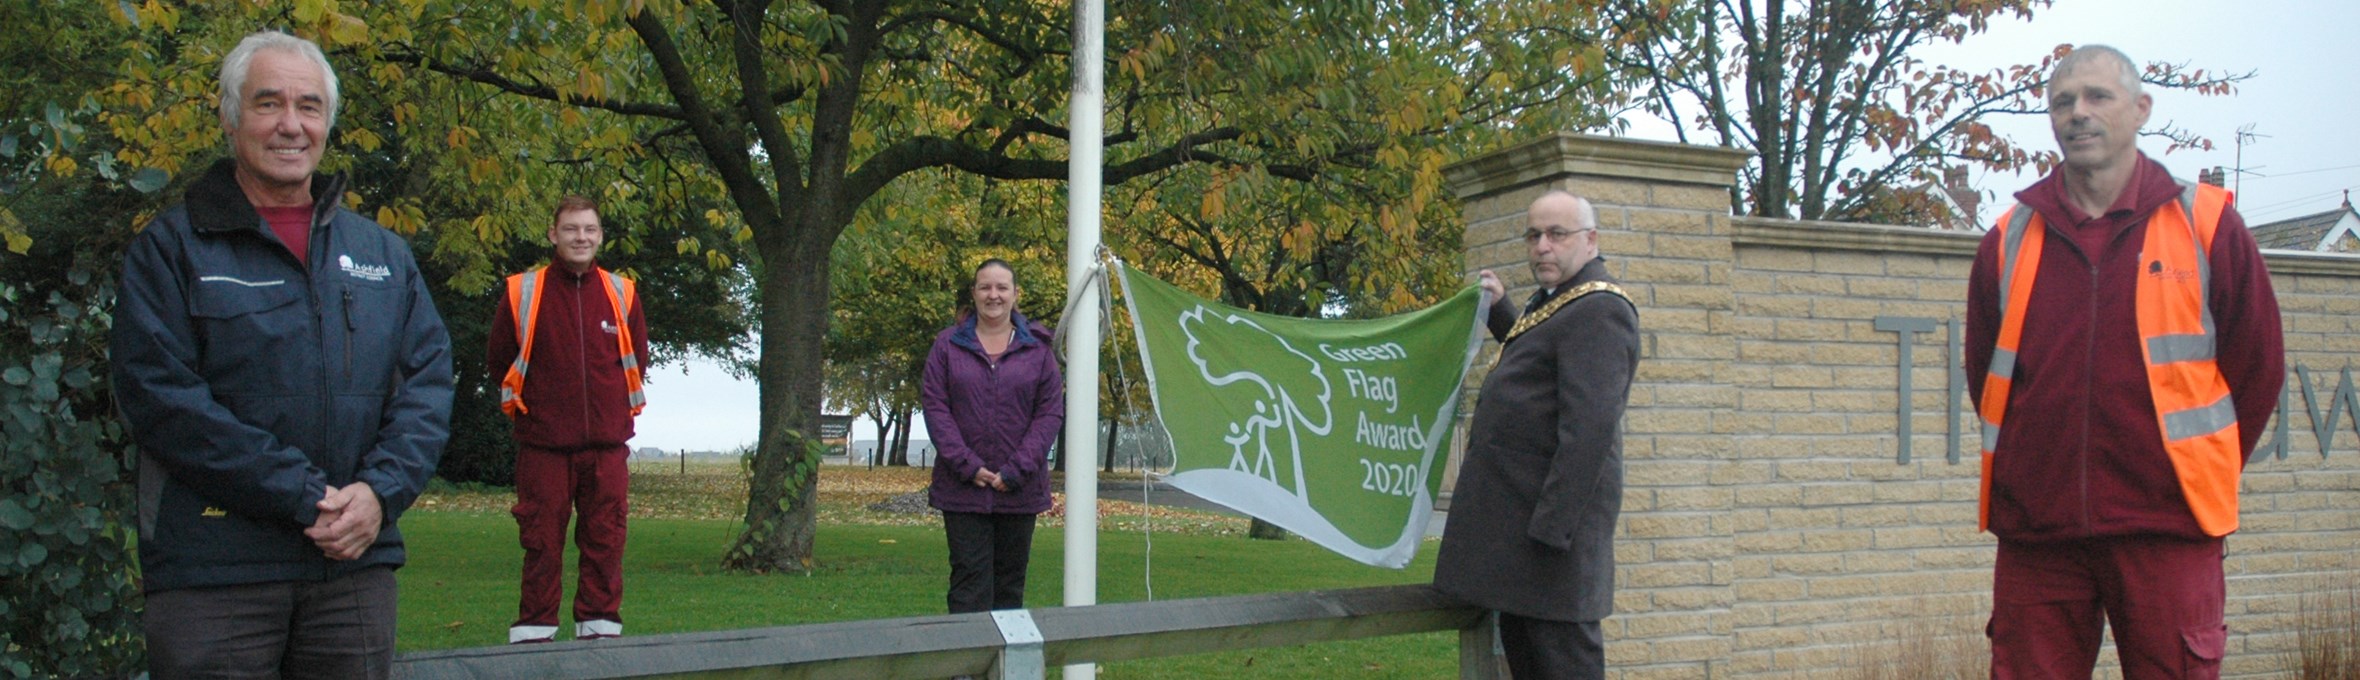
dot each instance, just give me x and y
(998, 415)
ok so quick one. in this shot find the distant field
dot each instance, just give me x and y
(460, 588)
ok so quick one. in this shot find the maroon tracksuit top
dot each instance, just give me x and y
(574, 395)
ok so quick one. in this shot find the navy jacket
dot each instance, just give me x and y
(251, 383)
(1002, 416)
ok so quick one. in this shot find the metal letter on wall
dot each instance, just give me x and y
(2323, 428)
(2277, 443)
(1908, 327)
(1957, 392)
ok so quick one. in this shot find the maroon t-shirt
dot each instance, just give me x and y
(293, 225)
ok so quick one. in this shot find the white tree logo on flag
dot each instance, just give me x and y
(1275, 408)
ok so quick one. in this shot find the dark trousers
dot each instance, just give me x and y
(339, 628)
(1539, 649)
(2164, 597)
(988, 557)
(551, 487)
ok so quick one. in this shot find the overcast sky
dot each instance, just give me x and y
(2303, 101)
(2300, 101)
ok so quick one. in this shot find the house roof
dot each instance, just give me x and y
(2309, 232)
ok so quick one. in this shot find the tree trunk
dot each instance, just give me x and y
(901, 437)
(1114, 428)
(1265, 531)
(781, 498)
(884, 434)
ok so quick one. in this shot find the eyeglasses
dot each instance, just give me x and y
(1555, 234)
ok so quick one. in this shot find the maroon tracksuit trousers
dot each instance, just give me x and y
(2162, 595)
(551, 486)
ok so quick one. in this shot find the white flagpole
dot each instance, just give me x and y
(1085, 171)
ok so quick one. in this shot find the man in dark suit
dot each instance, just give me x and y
(1531, 529)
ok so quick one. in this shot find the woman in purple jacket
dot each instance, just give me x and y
(994, 402)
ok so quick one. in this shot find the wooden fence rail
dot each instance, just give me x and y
(989, 645)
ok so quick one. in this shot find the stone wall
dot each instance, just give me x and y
(1783, 518)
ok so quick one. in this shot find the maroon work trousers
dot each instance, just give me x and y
(551, 486)
(2163, 596)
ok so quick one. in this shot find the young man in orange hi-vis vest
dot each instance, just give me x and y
(2123, 347)
(567, 347)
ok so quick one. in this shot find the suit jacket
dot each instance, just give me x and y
(1531, 529)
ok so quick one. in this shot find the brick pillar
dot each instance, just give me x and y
(1664, 223)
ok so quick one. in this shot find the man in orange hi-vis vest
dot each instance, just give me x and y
(2123, 347)
(568, 346)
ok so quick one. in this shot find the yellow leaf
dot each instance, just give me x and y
(686, 245)
(348, 29)
(363, 138)
(310, 11)
(14, 232)
(588, 82)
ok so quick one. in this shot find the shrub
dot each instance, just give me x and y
(68, 587)
(1926, 650)
(2327, 639)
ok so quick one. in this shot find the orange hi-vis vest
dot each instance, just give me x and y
(2177, 339)
(524, 297)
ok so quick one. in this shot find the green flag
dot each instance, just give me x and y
(1332, 429)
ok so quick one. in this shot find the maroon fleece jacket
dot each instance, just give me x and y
(574, 395)
(2080, 455)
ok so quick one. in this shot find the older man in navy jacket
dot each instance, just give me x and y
(289, 384)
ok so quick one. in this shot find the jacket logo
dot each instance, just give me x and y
(608, 326)
(211, 511)
(371, 272)
(2155, 269)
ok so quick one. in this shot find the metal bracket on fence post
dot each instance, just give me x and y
(1021, 658)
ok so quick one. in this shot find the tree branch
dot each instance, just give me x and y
(534, 90)
(745, 18)
(722, 146)
(926, 151)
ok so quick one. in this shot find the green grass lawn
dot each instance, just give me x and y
(460, 587)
